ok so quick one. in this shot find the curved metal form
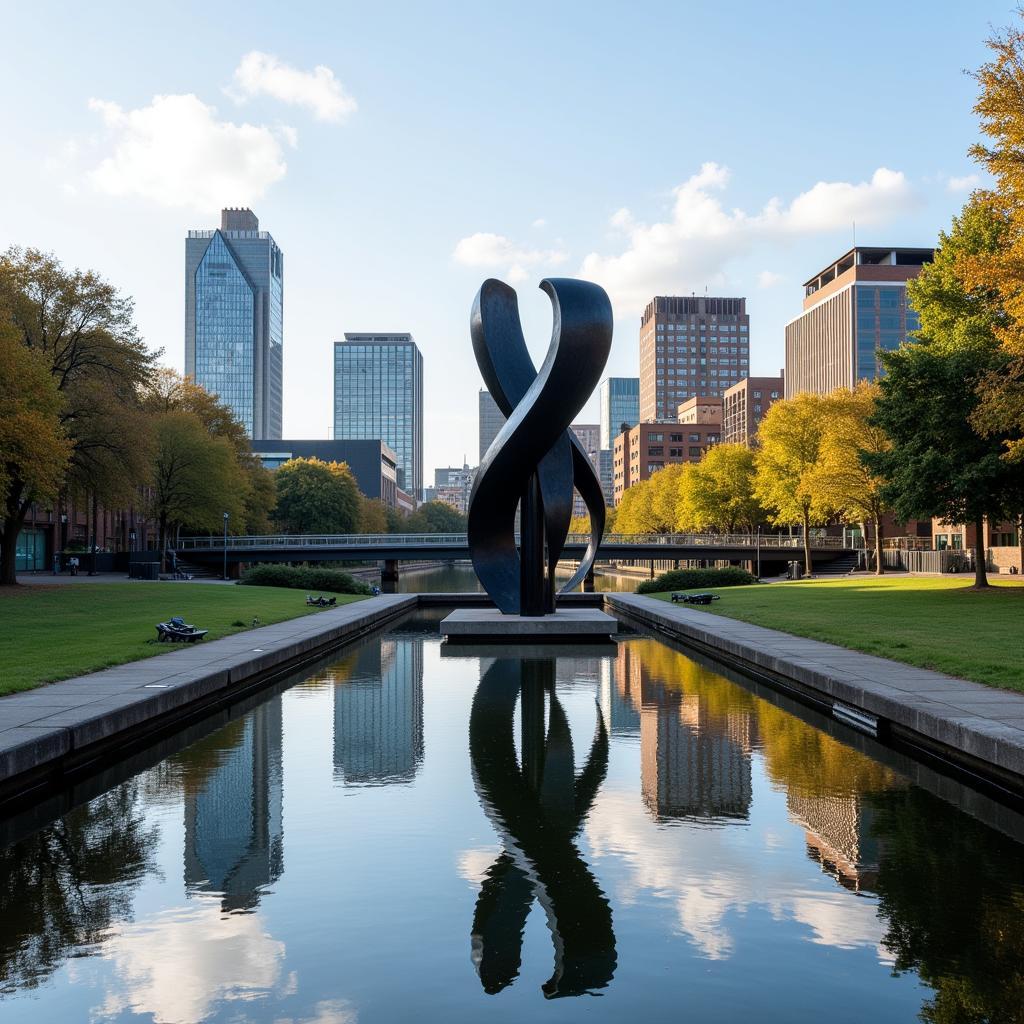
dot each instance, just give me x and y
(537, 803)
(535, 460)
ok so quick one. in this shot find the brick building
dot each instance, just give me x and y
(744, 406)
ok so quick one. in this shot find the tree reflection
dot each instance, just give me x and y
(537, 803)
(952, 892)
(63, 887)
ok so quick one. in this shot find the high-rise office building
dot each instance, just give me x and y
(588, 435)
(234, 319)
(854, 307)
(378, 393)
(744, 406)
(690, 347)
(491, 421)
(620, 403)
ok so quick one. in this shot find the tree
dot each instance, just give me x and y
(195, 478)
(34, 448)
(316, 497)
(83, 331)
(717, 493)
(790, 438)
(373, 517)
(635, 513)
(435, 517)
(664, 486)
(842, 477)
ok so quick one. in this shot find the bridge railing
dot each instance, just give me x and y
(370, 541)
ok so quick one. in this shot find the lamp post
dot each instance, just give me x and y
(225, 573)
(759, 553)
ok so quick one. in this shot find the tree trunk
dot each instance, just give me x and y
(15, 512)
(879, 568)
(808, 568)
(1020, 540)
(980, 576)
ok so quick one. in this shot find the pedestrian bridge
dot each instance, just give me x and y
(420, 547)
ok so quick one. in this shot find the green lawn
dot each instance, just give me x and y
(932, 622)
(55, 632)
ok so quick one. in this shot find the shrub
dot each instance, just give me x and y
(317, 580)
(687, 579)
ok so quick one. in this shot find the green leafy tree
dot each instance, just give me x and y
(790, 437)
(635, 512)
(665, 496)
(717, 493)
(373, 516)
(435, 517)
(316, 497)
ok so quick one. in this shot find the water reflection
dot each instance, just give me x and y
(537, 803)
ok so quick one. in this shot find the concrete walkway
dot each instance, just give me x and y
(46, 730)
(954, 716)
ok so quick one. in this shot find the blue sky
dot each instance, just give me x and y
(655, 147)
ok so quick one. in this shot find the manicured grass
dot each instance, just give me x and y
(55, 632)
(931, 622)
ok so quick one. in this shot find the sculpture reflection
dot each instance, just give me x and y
(537, 804)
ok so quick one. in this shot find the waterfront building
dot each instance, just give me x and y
(854, 307)
(619, 399)
(378, 393)
(605, 460)
(744, 406)
(453, 485)
(491, 420)
(690, 347)
(588, 435)
(234, 319)
(373, 463)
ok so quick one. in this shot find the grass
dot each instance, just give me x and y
(931, 622)
(56, 632)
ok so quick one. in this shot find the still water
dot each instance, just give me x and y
(459, 578)
(405, 835)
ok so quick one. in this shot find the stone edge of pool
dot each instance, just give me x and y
(977, 727)
(53, 732)
(61, 728)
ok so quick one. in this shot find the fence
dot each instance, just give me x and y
(912, 560)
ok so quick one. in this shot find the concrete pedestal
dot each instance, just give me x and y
(569, 625)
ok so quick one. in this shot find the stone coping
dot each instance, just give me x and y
(48, 730)
(973, 724)
(566, 624)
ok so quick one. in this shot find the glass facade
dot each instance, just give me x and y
(620, 403)
(882, 320)
(225, 331)
(378, 393)
(30, 551)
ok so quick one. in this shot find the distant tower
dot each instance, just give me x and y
(234, 309)
(491, 421)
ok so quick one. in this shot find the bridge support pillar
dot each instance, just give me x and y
(652, 568)
(588, 582)
(389, 573)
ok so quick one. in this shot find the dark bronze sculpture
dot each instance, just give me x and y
(535, 461)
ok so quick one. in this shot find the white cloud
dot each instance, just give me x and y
(963, 184)
(692, 248)
(262, 74)
(330, 1011)
(769, 279)
(175, 152)
(539, 222)
(485, 249)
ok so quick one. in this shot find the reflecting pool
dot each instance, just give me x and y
(459, 578)
(405, 834)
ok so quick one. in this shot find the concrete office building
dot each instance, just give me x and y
(852, 308)
(234, 319)
(744, 406)
(690, 347)
(378, 393)
(453, 485)
(373, 463)
(491, 420)
(619, 403)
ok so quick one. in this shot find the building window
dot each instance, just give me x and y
(694, 453)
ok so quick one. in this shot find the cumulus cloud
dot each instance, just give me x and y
(963, 184)
(177, 153)
(692, 247)
(263, 74)
(485, 249)
(769, 279)
(539, 222)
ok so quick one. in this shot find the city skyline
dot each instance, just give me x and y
(744, 201)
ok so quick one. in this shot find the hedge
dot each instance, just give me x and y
(334, 581)
(687, 579)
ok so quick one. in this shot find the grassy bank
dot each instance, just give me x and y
(55, 632)
(931, 622)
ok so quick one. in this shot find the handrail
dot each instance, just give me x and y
(369, 541)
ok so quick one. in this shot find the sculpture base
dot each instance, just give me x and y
(569, 625)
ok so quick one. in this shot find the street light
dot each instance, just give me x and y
(225, 573)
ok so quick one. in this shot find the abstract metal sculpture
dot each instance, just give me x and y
(535, 461)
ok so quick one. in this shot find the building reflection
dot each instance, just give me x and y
(234, 834)
(841, 836)
(378, 713)
(537, 803)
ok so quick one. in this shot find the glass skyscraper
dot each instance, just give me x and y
(491, 420)
(234, 319)
(620, 403)
(378, 393)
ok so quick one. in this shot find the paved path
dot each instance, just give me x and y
(42, 729)
(980, 721)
